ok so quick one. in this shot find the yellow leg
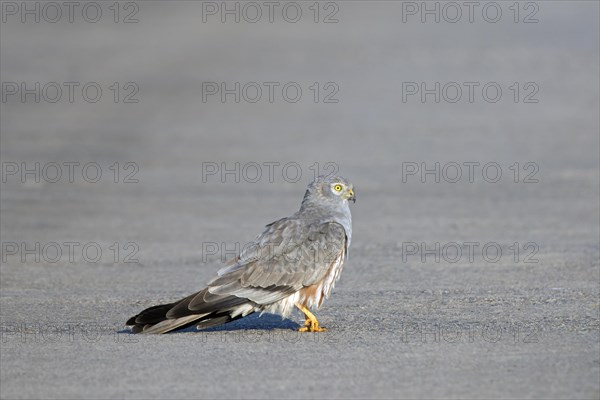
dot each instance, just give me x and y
(311, 324)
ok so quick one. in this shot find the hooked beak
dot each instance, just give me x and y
(351, 196)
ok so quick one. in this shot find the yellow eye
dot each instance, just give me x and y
(338, 188)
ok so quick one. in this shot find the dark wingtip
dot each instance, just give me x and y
(136, 329)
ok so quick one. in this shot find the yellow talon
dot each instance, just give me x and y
(311, 324)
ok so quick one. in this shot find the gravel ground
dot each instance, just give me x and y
(475, 286)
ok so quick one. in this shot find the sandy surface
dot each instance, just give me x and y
(402, 322)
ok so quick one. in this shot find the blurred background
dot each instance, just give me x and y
(185, 107)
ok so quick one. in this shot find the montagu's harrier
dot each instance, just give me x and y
(294, 262)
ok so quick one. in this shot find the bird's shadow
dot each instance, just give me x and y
(266, 322)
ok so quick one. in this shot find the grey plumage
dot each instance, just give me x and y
(294, 262)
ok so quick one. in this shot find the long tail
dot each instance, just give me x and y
(202, 308)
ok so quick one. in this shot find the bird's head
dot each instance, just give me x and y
(330, 190)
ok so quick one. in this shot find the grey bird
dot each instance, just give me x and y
(295, 262)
